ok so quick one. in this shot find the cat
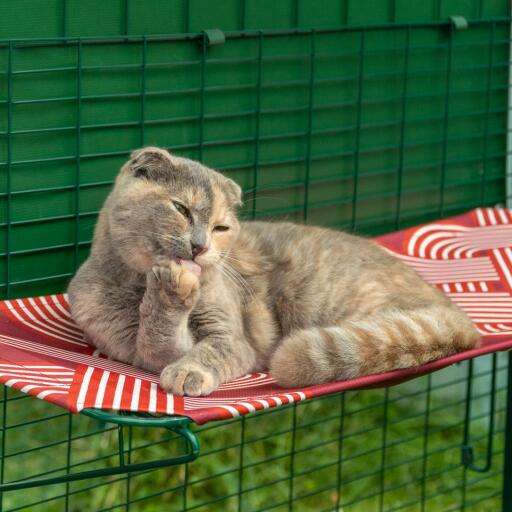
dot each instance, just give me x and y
(177, 285)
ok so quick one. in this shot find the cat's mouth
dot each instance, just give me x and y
(194, 267)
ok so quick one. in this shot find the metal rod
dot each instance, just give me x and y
(507, 454)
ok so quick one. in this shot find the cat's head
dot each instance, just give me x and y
(166, 207)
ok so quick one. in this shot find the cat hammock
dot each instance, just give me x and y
(43, 353)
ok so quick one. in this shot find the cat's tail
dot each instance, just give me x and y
(387, 340)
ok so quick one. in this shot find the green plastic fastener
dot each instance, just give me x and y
(459, 22)
(214, 36)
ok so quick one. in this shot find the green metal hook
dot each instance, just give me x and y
(467, 451)
(177, 424)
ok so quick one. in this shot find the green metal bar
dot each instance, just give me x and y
(358, 130)
(292, 475)
(241, 465)
(202, 91)
(284, 57)
(295, 13)
(402, 129)
(143, 93)
(258, 125)
(124, 18)
(467, 451)
(187, 17)
(445, 123)
(309, 125)
(383, 451)
(238, 34)
(507, 453)
(8, 184)
(426, 433)
(243, 10)
(120, 441)
(3, 444)
(78, 114)
(68, 458)
(182, 431)
(339, 468)
(486, 119)
(185, 489)
(129, 476)
(63, 21)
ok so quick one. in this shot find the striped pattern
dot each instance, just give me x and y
(43, 352)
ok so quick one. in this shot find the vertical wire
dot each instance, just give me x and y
(383, 450)
(129, 475)
(64, 10)
(437, 9)
(243, 11)
(507, 452)
(346, 9)
(77, 149)
(392, 11)
(310, 123)
(358, 129)
(402, 129)
(486, 121)
(241, 464)
(292, 458)
(339, 474)
(9, 172)
(426, 432)
(295, 13)
(445, 124)
(203, 81)
(124, 27)
(4, 436)
(143, 93)
(186, 7)
(467, 414)
(8, 234)
(68, 458)
(258, 126)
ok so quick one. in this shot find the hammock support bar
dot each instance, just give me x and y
(176, 424)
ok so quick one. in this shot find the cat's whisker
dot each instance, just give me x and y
(238, 278)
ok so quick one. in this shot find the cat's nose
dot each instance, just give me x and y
(198, 249)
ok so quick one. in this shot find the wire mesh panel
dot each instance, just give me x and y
(390, 449)
(367, 129)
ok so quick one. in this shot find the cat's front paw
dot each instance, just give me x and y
(188, 379)
(174, 281)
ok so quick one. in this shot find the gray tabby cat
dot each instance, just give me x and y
(177, 285)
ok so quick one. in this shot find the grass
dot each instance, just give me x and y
(391, 449)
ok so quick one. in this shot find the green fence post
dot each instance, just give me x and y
(507, 454)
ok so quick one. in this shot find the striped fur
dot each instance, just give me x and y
(387, 340)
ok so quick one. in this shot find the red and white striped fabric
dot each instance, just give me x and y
(43, 353)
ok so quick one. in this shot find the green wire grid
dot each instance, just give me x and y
(364, 128)
(397, 448)
(368, 128)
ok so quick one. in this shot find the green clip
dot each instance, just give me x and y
(214, 36)
(459, 22)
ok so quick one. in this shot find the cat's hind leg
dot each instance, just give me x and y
(387, 340)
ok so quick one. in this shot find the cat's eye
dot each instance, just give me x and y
(182, 209)
(220, 228)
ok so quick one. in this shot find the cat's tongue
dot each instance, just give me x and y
(192, 266)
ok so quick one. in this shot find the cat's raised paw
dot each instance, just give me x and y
(174, 280)
(187, 379)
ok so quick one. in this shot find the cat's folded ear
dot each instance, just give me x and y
(149, 162)
(233, 192)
